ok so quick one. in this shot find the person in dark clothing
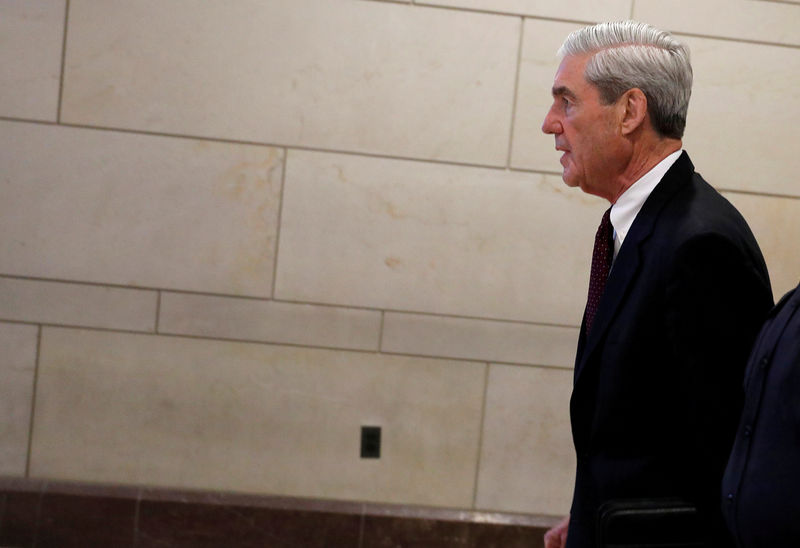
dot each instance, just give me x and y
(761, 486)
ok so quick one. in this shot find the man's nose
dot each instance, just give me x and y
(551, 124)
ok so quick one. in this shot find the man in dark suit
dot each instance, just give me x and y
(666, 334)
(761, 486)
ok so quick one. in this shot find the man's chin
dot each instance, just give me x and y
(568, 180)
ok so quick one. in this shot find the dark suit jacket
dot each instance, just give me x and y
(657, 391)
(761, 486)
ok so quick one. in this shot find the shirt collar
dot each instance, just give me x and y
(628, 205)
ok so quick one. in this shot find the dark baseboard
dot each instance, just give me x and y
(38, 513)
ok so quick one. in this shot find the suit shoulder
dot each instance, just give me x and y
(698, 208)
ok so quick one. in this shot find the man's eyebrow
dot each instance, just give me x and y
(562, 90)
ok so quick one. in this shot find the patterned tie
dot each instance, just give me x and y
(601, 266)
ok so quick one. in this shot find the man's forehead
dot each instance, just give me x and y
(572, 66)
(569, 77)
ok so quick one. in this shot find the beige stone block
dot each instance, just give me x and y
(577, 10)
(420, 237)
(494, 341)
(530, 148)
(527, 458)
(173, 411)
(744, 117)
(372, 77)
(775, 222)
(765, 21)
(32, 34)
(17, 369)
(77, 304)
(138, 210)
(269, 321)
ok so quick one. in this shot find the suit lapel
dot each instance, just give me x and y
(628, 261)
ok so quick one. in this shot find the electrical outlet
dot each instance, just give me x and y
(370, 442)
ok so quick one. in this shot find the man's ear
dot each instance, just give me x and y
(634, 110)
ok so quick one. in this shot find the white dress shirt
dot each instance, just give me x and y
(628, 205)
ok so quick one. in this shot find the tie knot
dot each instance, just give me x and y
(604, 239)
(605, 223)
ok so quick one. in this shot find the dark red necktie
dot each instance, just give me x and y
(602, 255)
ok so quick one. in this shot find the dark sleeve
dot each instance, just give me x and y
(762, 477)
(716, 302)
(787, 360)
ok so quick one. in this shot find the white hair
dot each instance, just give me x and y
(629, 54)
